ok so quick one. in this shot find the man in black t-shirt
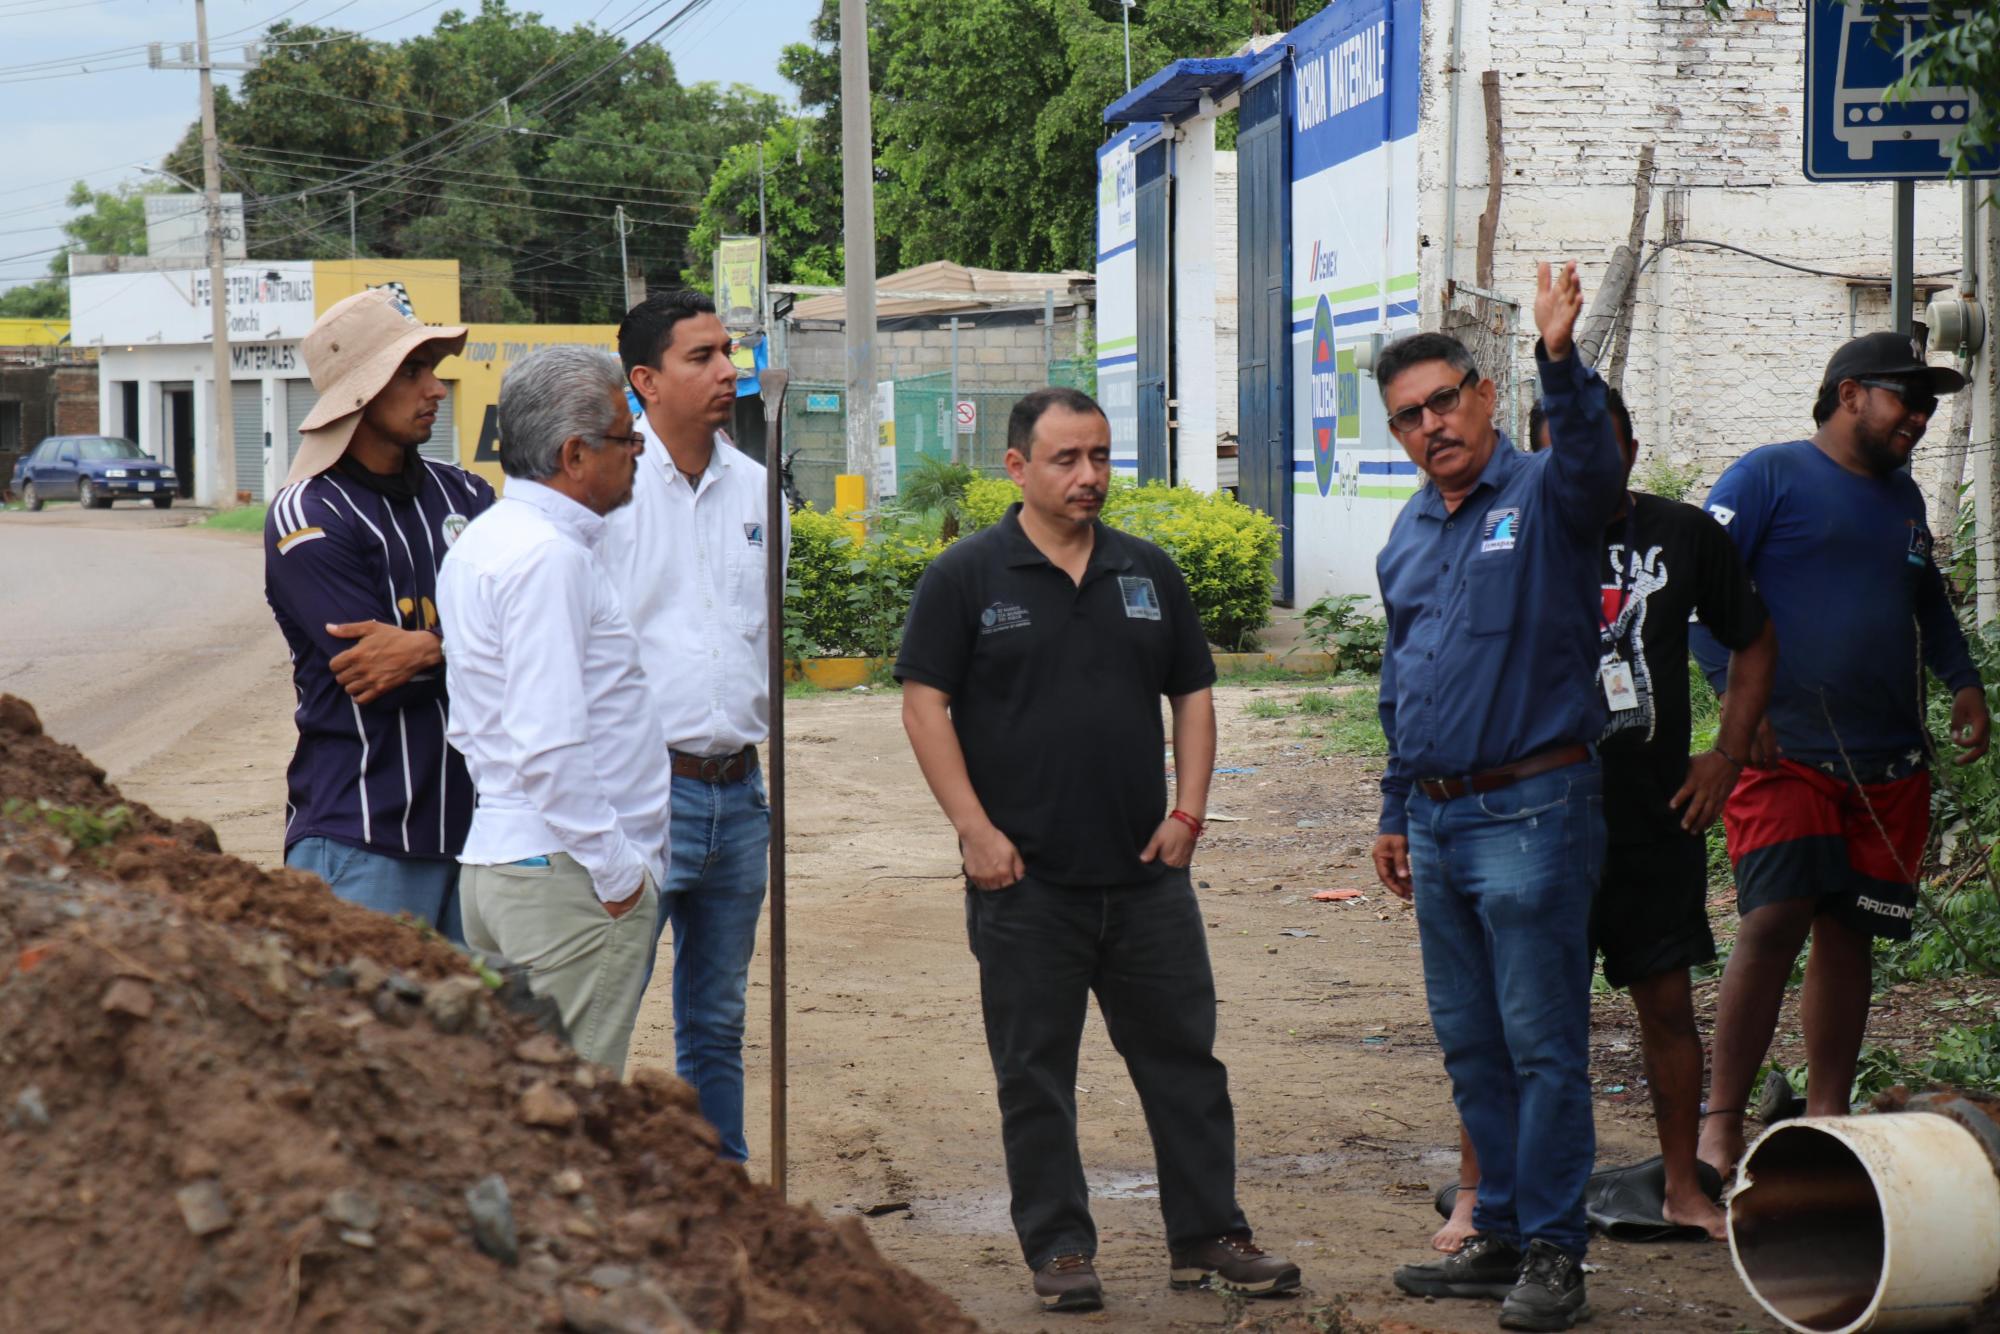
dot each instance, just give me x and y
(1663, 563)
(1032, 667)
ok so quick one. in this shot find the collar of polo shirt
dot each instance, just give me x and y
(1498, 468)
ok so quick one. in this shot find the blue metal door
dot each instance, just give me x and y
(1264, 339)
(1154, 249)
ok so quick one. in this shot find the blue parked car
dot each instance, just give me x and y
(92, 470)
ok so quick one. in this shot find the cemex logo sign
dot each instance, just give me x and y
(1325, 396)
(1856, 51)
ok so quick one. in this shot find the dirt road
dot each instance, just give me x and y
(154, 650)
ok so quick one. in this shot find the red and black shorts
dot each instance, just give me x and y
(1799, 833)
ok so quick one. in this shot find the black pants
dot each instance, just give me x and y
(1042, 949)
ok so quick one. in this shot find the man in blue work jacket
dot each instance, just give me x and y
(1492, 804)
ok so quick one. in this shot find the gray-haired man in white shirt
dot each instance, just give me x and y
(689, 559)
(550, 707)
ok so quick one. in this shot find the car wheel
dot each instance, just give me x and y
(162, 502)
(30, 496)
(87, 497)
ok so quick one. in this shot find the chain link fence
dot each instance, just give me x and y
(928, 424)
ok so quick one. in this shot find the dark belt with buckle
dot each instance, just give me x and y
(716, 768)
(1449, 789)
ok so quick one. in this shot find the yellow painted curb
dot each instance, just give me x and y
(835, 673)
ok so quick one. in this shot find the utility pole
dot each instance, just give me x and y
(215, 473)
(857, 168)
(635, 282)
(353, 250)
(1125, 13)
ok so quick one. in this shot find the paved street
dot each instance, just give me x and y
(137, 639)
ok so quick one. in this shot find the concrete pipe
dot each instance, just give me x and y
(1887, 1222)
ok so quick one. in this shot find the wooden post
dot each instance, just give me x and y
(1620, 279)
(1496, 168)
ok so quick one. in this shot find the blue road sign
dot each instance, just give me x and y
(1852, 134)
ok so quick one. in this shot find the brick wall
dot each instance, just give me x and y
(1726, 350)
(76, 401)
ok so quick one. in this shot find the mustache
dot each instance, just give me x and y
(1440, 441)
(1086, 493)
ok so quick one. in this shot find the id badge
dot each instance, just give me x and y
(1619, 691)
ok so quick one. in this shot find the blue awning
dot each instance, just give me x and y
(1175, 93)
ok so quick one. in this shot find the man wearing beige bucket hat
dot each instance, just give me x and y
(377, 803)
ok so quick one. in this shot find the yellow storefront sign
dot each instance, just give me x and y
(489, 350)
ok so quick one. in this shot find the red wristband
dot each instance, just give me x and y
(1187, 820)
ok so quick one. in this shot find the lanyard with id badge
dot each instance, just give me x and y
(1614, 673)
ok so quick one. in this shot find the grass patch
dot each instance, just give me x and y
(242, 519)
(1344, 721)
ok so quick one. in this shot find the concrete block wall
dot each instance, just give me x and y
(996, 356)
(1727, 350)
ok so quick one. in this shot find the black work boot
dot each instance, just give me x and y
(1232, 1263)
(1069, 1283)
(1550, 1293)
(1483, 1267)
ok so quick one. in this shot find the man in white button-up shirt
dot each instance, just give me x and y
(688, 557)
(550, 707)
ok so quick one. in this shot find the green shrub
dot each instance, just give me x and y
(1339, 625)
(984, 501)
(1225, 551)
(848, 600)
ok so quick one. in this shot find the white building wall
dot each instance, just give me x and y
(1226, 315)
(156, 366)
(1726, 350)
(1196, 385)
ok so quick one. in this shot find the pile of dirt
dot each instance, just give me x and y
(228, 1100)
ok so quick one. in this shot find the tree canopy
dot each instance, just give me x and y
(109, 222)
(496, 139)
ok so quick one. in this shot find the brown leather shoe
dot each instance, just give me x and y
(1069, 1283)
(1233, 1263)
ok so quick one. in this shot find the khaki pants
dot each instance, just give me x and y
(592, 965)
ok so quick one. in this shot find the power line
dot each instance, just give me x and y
(299, 159)
(388, 167)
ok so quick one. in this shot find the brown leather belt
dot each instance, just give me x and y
(716, 768)
(1448, 789)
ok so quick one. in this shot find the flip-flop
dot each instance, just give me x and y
(1625, 1203)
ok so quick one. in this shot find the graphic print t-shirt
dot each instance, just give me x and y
(1663, 563)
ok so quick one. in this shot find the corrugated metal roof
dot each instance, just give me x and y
(999, 286)
(1175, 93)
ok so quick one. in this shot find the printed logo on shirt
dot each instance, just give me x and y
(1722, 514)
(453, 525)
(754, 534)
(1920, 546)
(1500, 530)
(1142, 600)
(1003, 616)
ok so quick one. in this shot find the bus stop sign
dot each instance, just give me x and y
(1852, 134)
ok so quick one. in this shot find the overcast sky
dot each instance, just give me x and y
(77, 101)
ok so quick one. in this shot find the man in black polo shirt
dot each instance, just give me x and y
(1033, 664)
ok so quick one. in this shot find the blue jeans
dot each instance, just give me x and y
(716, 870)
(426, 890)
(1504, 882)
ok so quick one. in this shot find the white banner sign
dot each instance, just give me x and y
(268, 302)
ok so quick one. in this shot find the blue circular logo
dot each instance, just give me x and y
(1325, 396)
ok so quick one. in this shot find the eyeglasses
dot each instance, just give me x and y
(1914, 398)
(1442, 402)
(629, 441)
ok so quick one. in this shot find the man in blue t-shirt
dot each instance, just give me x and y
(377, 804)
(1827, 825)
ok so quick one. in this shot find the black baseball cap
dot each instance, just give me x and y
(1887, 353)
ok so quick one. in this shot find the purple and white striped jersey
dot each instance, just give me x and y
(377, 776)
